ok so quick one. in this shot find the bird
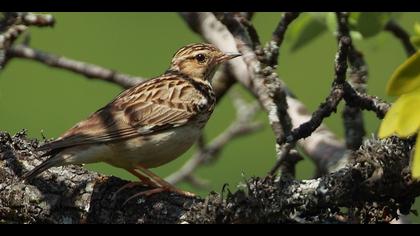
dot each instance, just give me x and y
(147, 125)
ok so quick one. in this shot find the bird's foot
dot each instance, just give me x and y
(128, 185)
(151, 192)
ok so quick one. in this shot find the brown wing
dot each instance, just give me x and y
(153, 106)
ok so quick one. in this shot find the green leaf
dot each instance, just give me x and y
(415, 40)
(406, 77)
(356, 35)
(415, 166)
(306, 28)
(403, 118)
(353, 19)
(331, 22)
(417, 28)
(370, 24)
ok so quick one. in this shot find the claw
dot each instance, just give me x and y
(151, 192)
(128, 185)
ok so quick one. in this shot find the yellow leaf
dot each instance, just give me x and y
(403, 118)
(415, 166)
(406, 77)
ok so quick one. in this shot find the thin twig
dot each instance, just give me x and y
(14, 24)
(353, 116)
(7, 39)
(272, 49)
(9, 19)
(40, 20)
(288, 167)
(284, 153)
(394, 28)
(341, 60)
(333, 99)
(89, 70)
(252, 32)
(324, 110)
(365, 102)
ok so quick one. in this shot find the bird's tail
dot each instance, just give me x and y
(50, 162)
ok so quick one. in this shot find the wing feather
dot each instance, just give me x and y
(141, 110)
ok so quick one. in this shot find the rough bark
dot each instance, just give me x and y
(374, 185)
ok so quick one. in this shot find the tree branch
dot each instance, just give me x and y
(394, 28)
(272, 49)
(333, 99)
(352, 116)
(88, 70)
(375, 185)
(15, 23)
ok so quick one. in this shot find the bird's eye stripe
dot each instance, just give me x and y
(192, 48)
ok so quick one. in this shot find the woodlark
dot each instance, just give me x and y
(147, 125)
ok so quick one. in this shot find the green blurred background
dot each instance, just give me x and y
(39, 98)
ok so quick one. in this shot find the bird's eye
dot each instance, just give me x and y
(200, 57)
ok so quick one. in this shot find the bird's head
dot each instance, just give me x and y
(199, 60)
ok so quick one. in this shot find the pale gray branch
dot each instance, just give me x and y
(89, 70)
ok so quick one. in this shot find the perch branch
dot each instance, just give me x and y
(375, 185)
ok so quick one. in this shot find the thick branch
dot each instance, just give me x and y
(375, 185)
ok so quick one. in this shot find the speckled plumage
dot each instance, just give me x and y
(148, 125)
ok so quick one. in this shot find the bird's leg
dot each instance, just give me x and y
(144, 181)
(160, 186)
(165, 186)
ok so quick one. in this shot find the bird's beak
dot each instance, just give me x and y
(227, 56)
